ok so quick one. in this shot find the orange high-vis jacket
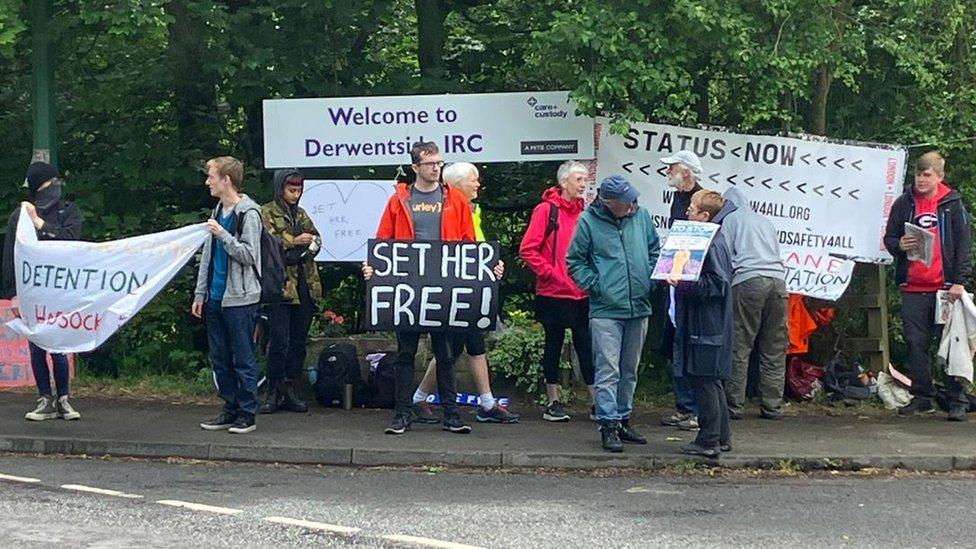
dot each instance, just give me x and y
(397, 221)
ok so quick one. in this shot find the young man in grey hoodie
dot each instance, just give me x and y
(759, 307)
(227, 294)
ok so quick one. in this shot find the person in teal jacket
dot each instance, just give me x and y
(612, 256)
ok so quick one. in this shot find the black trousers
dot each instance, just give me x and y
(441, 343)
(918, 319)
(287, 339)
(555, 335)
(713, 411)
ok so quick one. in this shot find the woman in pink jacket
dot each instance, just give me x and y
(560, 303)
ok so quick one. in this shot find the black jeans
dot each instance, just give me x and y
(287, 338)
(920, 329)
(42, 375)
(441, 343)
(713, 411)
(555, 335)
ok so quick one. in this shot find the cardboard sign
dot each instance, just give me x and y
(430, 285)
(684, 250)
(15, 365)
(816, 275)
(346, 214)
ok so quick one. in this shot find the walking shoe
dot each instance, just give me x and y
(689, 424)
(46, 409)
(273, 402)
(693, 449)
(593, 412)
(736, 414)
(243, 425)
(769, 414)
(957, 413)
(65, 410)
(918, 405)
(610, 434)
(220, 423)
(453, 423)
(629, 434)
(555, 412)
(727, 447)
(400, 425)
(497, 414)
(423, 412)
(674, 419)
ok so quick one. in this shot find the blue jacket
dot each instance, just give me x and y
(612, 259)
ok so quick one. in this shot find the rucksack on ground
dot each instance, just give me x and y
(381, 386)
(338, 366)
(271, 275)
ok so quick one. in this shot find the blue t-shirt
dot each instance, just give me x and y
(218, 283)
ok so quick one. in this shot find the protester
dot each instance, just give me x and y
(703, 330)
(465, 178)
(227, 294)
(55, 219)
(289, 321)
(612, 256)
(684, 172)
(939, 209)
(759, 301)
(425, 210)
(559, 302)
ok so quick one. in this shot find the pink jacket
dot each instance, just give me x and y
(549, 266)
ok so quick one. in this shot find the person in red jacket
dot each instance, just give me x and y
(560, 303)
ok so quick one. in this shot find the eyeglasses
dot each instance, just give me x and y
(439, 164)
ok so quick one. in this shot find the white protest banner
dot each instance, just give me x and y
(815, 274)
(822, 196)
(376, 131)
(346, 213)
(73, 295)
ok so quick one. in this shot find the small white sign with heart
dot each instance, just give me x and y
(346, 213)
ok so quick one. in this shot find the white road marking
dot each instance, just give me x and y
(102, 491)
(199, 507)
(333, 528)
(427, 542)
(19, 479)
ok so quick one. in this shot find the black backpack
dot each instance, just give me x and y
(338, 366)
(381, 386)
(272, 275)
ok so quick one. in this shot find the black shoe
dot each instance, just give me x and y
(674, 419)
(918, 405)
(289, 400)
(555, 412)
(220, 423)
(400, 425)
(725, 447)
(769, 414)
(628, 434)
(243, 425)
(497, 414)
(453, 423)
(735, 414)
(610, 433)
(273, 402)
(957, 413)
(423, 412)
(696, 450)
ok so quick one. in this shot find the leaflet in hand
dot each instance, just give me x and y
(684, 250)
(926, 240)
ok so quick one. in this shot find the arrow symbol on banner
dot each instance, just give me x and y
(731, 178)
(782, 185)
(804, 159)
(627, 166)
(838, 163)
(819, 190)
(748, 181)
(662, 170)
(714, 177)
(800, 188)
(643, 169)
(765, 183)
(853, 194)
(735, 152)
(821, 161)
(834, 192)
(856, 164)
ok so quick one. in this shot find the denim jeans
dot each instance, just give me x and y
(617, 348)
(684, 393)
(42, 375)
(230, 332)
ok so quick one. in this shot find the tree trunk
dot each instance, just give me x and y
(194, 88)
(818, 119)
(431, 35)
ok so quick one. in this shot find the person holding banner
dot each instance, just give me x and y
(464, 177)
(939, 209)
(289, 321)
(703, 330)
(227, 294)
(55, 219)
(612, 256)
(559, 302)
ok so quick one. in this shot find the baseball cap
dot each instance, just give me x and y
(616, 187)
(687, 159)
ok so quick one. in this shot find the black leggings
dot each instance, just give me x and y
(555, 336)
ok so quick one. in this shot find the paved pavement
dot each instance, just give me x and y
(337, 437)
(136, 503)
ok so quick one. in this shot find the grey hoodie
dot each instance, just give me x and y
(753, 241)
(243, 286)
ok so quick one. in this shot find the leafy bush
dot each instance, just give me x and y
(517, 353)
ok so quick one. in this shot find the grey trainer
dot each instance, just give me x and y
(65, 410)
(46, 409)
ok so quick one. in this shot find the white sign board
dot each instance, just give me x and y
(376, 131)
(815, 274)
(73, 295)
(823, 197)
(346, 213)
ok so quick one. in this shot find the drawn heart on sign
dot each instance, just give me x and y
(346, 213)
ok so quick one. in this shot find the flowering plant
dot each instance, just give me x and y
(328, 323)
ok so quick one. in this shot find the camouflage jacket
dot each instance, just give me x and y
(279, 223)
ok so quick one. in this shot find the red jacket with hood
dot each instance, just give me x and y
(548, 263)
(397, 221)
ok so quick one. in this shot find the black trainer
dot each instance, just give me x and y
(289, 400)
(423, 412)
(628, 434)
(957, 413)
(693, 449)
(497, 414)
(610, 434)
(220, 423)
(918, 405)
(242, 425)
(555, 412)
(453, 423)
(400, 425)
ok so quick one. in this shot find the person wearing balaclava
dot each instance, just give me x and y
(55, 219)
(289, 321)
